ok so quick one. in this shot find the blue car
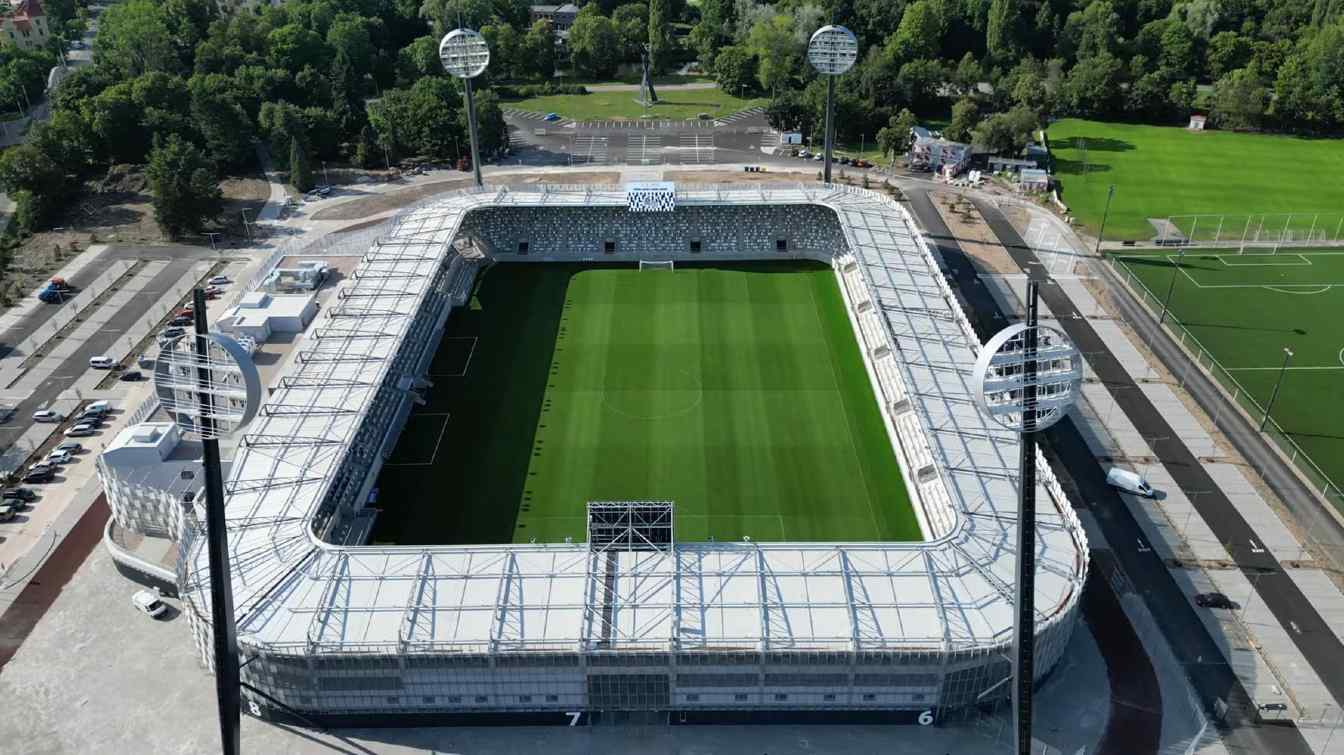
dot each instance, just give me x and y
(551, 117)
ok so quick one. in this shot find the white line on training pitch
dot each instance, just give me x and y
(1267, 369)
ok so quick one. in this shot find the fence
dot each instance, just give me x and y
(1319, 480)
(1256, 230)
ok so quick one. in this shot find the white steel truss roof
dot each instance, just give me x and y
(296, 593)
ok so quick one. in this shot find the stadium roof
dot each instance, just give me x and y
(295, 593)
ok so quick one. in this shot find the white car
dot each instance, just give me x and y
(218, 280)
(101, 363)
(60, 457)
(47, 415)
(72, 446)
(148, 603)
(81, 430)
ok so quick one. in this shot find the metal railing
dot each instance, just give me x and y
(1318, 478)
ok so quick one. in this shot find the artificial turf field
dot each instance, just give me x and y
(1160, 171)
(1245, 309)
(737, 391)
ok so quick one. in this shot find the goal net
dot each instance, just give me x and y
(664, 265)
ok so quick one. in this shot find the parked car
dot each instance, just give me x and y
(73, 446)
(60, 457)
(39, 478)
(47, 415)
(43, 466)
(219, 280)
(148, 603)
(8, 511)
(101, 362)
(551, 117)
(1214, 600)
(81, 430)
(168, 333)
(182, 320)
(131, 376)
(18, 494)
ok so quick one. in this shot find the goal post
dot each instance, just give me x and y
(657, 265)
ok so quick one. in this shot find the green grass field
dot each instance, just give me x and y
(1162, 171)
(736, 391)
(674, 104)
(1245, 309)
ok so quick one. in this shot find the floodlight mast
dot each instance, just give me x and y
(1011, 388)
(832, 50)
(225, 634)
(465, 54)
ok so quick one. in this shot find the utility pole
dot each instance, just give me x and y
(1171, 287)
(1287, 355)
(1110, 194)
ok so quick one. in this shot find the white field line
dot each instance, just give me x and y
(474, 340)
(1320, 287)
(434, 456)
(1223, 259)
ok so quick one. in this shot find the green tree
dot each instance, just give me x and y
(632, 24)
(218, 114)
(300, 173)
(365, 149)
(1092, 89)
(185, 187)
(293, 47)
(919, 35)
(133, 37)
(1004, 35)
(894, 139)
(114, 118)
(347, 96)
(492, 132)
(1179, 52)
(538, 49)
(1228, 51)
(349, 36)
(965, 117)
(26, 170)
(660, 34)
(778, 50)
(788, 111)
(735, 69)
(594, 44)
(1005, 133)
(444, 15)
(419, 59)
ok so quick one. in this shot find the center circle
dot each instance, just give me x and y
(684, 390)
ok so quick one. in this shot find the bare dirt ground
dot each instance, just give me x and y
(392, 200)
(738, 176)
(973, 233)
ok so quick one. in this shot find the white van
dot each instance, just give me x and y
(101, 363)
(1128, 481)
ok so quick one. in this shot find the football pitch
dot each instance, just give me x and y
(737, 391)
(1244, 310)
(1161, 171)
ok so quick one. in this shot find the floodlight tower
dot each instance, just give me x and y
(465, 54)
(832, 51)
(208, 384)
(1026, 378)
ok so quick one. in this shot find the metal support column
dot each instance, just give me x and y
(830, 109)
(221, 585)
(471, 128)
(1024, 620)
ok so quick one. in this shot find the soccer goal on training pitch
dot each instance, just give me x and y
(652, 265)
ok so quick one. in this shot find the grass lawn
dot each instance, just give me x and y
(1161, 171)
(736, 391)
(1244, 309)
(673, 105)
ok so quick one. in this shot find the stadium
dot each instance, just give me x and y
(694, 519)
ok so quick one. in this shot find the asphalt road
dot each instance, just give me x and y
(1314, 638)
(69, 370)
(1187, 636)
(29, 325)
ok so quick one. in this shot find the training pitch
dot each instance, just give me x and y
(1244, 309)
(737, 391)
(1159, 171)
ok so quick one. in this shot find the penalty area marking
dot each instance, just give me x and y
(1319, 288)
(437, 441)
(471, 353)
(1223, 259)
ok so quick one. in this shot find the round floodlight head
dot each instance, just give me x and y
(832, 50)
(1001, 378)
(211, 395)
(464, 53)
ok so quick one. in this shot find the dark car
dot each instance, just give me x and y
(1214, 600)
(18, 494)
(8, 511)
(182, 320)
(131, 376)
(39, 478)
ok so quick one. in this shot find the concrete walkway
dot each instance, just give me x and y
(656, 87)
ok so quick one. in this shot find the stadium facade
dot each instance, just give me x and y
(339, 633)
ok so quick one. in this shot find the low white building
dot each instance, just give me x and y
(259, 314)
(939, 155)
(150, 473)
(1032, 179)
